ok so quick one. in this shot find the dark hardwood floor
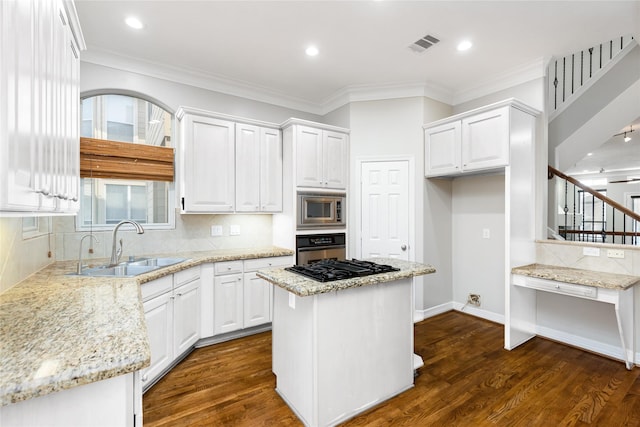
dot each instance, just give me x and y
(468, 380)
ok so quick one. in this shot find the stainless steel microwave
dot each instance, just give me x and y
(321, 210)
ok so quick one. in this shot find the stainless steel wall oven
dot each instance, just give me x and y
(311, 248)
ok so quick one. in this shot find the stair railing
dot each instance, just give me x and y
(617, 223)
(569, 74)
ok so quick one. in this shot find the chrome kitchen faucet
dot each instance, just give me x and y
(115, 255)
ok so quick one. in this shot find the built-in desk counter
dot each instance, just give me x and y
(611, 288)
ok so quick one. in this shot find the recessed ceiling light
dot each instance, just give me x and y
(134, 22)
(464, 45)
(589, 154)
(312, 51)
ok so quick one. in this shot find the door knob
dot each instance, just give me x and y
(403, 247)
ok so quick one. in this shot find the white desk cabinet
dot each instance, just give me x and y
(521, 313)
(39, 107)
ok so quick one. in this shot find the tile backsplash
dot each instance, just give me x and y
(192, 233)
(571, 254)
(21, 257)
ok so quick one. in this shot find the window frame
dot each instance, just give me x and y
(171, 192)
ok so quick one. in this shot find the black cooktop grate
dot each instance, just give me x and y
(329, 269)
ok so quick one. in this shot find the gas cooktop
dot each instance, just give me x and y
(329, 270)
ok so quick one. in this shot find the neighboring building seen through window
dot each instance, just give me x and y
(108, 201)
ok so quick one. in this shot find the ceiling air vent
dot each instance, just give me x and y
(423, 44)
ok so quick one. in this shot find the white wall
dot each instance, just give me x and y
(380, 129)
(531, 93)
(478, 263)
(172, 95)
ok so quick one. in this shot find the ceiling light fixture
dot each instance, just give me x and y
(625, 137)
(134, 22)
(464, 45)
(312, 51)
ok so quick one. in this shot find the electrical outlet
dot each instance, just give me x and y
(234, 230)
(486, 233)
(591, 251)
(216, 230)
(474, 299)
(615, 253)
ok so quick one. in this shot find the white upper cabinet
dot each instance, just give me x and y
(485, 140)
(208, 164)
(258, 169)
(442, 149)
(322, 158)
(39, 106)
(470, 142)
(227, 165)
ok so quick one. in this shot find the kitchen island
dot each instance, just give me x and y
(341, 347)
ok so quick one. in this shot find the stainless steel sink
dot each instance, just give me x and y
(156, 262)
(131, 268)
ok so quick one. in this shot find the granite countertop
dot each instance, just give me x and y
(59, 331)
(577, 276)
(303, 286)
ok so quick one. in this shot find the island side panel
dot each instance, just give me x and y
(364, 348)
(292, 351)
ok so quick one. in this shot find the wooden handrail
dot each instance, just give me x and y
(605, 199)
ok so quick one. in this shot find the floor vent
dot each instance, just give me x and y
(423, 44)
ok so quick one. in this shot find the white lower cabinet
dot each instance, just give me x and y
(159, 316)
(227, 306)
(172, 312)
(242, 299)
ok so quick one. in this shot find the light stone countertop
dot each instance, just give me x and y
(577, 276)
(59, 331)
(304, 286)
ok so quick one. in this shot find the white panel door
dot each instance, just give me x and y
(385, 209)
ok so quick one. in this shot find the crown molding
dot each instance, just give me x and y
(341, 97)
(357, 93)
(197, 78)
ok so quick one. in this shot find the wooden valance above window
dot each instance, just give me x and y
(100, 158)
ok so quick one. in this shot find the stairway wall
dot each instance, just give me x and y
(601, 111)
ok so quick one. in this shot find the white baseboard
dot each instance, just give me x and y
(478, 312)
(420, 315)
(613, 351)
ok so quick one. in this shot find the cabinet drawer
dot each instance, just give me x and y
(556, 287)
(228, 267)
(156, 287)
(260, 263)
(184, 276)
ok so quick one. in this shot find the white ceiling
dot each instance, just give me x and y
(256, 48)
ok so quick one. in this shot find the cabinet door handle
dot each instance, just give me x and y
(179, 295)
(145, 377)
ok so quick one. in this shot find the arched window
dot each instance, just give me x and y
(108, 195)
